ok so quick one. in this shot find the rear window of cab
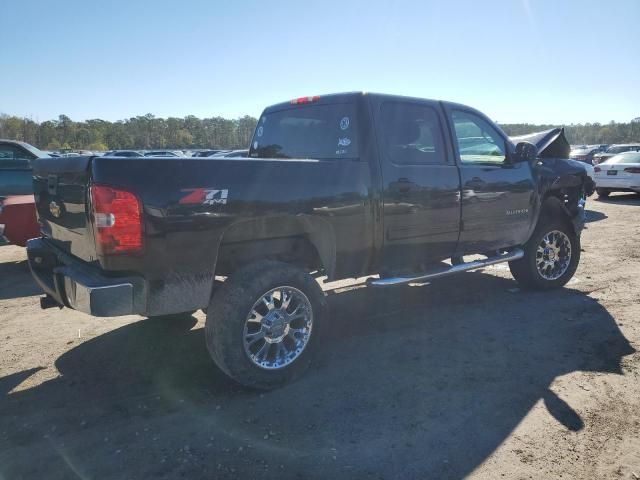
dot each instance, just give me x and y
(320, 132)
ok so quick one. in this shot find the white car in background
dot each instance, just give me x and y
(620, 173)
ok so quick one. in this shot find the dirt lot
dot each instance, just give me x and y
(465, 377)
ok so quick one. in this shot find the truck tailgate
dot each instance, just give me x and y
(60, 187)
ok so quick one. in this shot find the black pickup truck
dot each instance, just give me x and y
(341, 186)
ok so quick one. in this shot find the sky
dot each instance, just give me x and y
(519, 61)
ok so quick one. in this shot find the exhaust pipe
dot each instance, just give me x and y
(48, 302)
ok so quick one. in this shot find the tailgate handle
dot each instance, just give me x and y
(52, 185)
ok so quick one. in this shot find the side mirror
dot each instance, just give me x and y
(525, 152)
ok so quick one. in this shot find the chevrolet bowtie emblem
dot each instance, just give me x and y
(55, 209)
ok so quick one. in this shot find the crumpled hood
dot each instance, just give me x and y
(556, 166)
(551, 143)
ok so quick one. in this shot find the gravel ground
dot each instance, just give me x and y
(468, 376)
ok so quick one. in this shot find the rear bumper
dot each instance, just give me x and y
(623, 183)
(78, 285)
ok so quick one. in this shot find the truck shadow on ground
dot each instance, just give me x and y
(594, 216)
(16, 281)
(411, 382)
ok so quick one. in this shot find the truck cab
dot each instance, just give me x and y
(451, 185)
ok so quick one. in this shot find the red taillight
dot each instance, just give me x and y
(632, 169)
(117, 220)
(298, 101)
(597, 169)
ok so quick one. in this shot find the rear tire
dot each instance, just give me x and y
(603, 192)
(259, 343)
(538, 270)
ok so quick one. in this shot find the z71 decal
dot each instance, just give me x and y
(204, 196)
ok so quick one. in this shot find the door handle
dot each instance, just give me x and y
(476, 182)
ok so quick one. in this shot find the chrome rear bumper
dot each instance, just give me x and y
(72, 283)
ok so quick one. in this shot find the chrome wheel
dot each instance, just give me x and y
(278, 328)
(553, 255)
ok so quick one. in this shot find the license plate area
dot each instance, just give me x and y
(612, 172)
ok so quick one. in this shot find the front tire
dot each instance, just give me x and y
(551, 256)
(262, 324)
(603, 192)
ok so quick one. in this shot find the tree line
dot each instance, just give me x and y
(141, 132)
(148, 131)
(586, 134)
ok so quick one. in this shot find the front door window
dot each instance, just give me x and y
(478, 141)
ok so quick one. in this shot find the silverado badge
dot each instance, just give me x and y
(519, 211)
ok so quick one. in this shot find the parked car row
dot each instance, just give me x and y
(144, 153)
(595, 154)
(585, 153)
(177, 153)
(615, 150)
(614, 168)
(231, 154)
(619, 173)
(153, 153)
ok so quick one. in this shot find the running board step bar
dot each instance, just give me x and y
(514, 254)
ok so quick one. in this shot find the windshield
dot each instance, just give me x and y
(628, 157)
(37, 152)
(311, 131)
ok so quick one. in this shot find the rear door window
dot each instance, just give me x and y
(309, 131)
(411, 134)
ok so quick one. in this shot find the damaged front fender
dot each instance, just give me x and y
(563, 184)
(557, 169)
(568, 184)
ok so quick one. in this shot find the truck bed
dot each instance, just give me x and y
(190, 204)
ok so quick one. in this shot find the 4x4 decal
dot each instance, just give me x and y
(204, 196)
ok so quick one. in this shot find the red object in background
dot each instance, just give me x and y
(18, 215)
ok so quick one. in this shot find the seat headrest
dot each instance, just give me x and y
(405, 133)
